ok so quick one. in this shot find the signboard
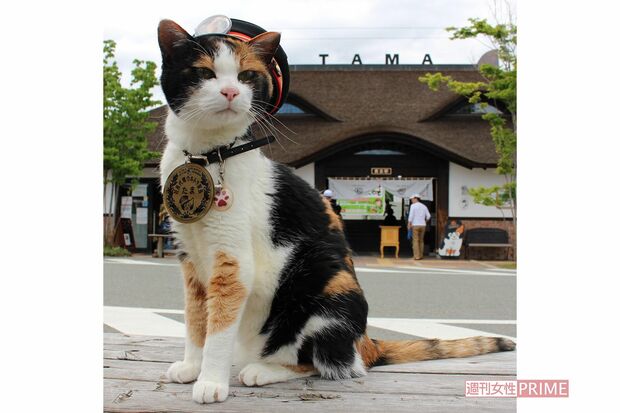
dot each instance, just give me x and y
(359, 197)
(126, 207)
(452, 239)
(381, 171)
(372, 205)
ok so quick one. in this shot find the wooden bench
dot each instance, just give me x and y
(134, 370)
(160, 242)
(486, 238)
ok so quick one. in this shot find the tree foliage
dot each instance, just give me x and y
(499, 86)
(125, 117)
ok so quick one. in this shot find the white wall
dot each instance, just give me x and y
(306, 172)
(460, 203)
(107, 194)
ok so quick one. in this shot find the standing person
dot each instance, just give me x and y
(165, 226)
(418, 215)
(329, 195)
(390, 219)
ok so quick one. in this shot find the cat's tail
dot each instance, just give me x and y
(382, 352)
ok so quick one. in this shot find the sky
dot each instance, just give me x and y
(340, 28)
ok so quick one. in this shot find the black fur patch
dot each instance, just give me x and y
(298, 218)
(382, 360)
(178, 77)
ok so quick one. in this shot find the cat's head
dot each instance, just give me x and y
(216, 81)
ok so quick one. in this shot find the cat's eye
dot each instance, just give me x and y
(247, 75)
(206, 72)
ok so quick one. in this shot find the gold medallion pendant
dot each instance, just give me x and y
(188, 193)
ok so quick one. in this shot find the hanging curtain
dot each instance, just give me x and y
(356, 188)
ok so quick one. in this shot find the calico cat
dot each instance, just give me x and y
(272, 274)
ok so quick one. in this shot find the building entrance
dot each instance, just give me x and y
(383, 159)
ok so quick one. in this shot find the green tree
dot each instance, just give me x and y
(499, 87)
(125, 127)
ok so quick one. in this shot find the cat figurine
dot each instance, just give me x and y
(451, 245)
(269, 279)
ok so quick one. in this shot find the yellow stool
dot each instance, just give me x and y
(389, 238)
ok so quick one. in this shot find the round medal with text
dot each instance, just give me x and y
(188, 193)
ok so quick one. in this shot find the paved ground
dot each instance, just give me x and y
(428, 298)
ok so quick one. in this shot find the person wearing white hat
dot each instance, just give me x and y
(329, 195)
(418, 216)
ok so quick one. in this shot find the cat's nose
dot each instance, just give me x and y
(230, 93)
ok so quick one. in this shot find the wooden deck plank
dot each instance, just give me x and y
(134, 396)
(134, 380)
(388, 383)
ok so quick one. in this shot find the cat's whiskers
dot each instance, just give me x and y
(276, 119)
(272, 127)
(254, 120)
(261, 122)
(260, 115)
(265, 127)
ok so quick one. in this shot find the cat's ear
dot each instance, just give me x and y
(265, 45)
(172, 39)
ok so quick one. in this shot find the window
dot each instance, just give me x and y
(379, 152)
(292, 109)
(297, 107)
(476, 109)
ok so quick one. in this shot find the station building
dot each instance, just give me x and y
(360, 125)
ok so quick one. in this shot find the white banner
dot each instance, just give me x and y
(403, 188)
(351, 189)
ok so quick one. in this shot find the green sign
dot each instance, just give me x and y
(366, 205)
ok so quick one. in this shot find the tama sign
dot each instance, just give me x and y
(390, 59)
(381, 171)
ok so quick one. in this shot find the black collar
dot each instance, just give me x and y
(223, 152)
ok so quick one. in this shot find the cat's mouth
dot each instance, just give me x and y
(227, 110)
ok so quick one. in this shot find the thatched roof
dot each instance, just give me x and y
(352, 102)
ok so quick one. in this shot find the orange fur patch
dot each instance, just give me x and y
(342, 283)
(225, 294)
(204, 61)
(301, 368)
(349, 262)
(406, 351)
(195, 304)
(249, 60)
(334, 219)
(367, 349)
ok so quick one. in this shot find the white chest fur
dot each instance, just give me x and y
(244, 229)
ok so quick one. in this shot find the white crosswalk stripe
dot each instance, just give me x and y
(406, 270)
(149, 322)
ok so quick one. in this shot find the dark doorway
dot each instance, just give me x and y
(406, 159)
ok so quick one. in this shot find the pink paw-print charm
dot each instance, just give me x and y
(223, 199)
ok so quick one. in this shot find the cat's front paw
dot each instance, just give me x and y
(183, 372)
(209, 391)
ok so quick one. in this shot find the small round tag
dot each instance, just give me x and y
(223, 198)
(188, 193)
